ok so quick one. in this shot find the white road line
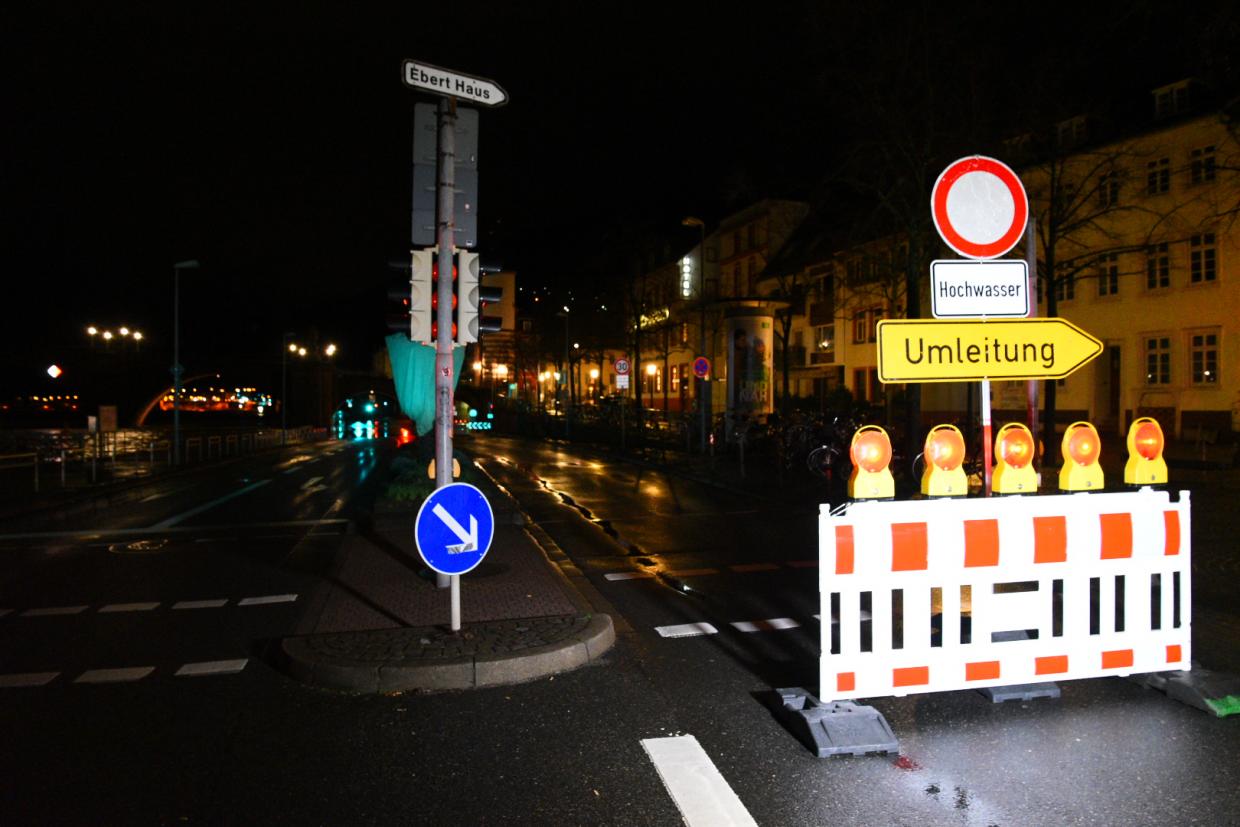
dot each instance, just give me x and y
(27, 679)
(627, 575)
(54, 610)
(308, 483)
(129, 607)
(193, 512)
(701, 794)
(687, 630)
(213, 667)
(772, 625)
(125, 674)
(154, 497)
(271, 598)
(123, 532)
(200, 604)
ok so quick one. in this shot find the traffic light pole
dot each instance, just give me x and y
(443, 318)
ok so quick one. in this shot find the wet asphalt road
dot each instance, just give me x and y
(253, 747)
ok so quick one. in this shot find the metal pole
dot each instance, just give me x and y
(443, 317)
(1031, 260)
(176, 367)
(567, 376)
(987, 448)
(704, 399)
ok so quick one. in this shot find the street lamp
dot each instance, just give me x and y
(190, 264)
(703, 389)
(286, 347)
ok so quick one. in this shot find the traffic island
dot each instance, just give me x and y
(433, 658)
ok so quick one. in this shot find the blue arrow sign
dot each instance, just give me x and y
(454, 528)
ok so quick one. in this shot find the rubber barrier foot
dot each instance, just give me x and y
(837, 728)
(1020, 692)
(1215, 692)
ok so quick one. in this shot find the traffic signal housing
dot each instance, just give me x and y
(410, 308)
(1145, 465)
(1081, 448)
(1014, 451)
(944, 456)
(870, 452)
(474, 296)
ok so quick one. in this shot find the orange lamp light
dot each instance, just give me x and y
(1081, 449)
(944, 454)
(870, 452)
(1014, 451)
(1145, 465)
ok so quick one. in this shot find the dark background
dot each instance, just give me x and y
(272, 141)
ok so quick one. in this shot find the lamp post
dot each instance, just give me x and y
(285, 347)
(704, 401)
(565, 387)
(190, 264)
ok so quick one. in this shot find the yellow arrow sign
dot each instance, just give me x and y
(932, 350)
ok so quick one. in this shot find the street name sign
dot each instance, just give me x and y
(454, 528)
(979, 207)
(969, 288)
(451, 83)
(937, 350)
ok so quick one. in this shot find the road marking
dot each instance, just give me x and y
(701, 793)
(129, 607)
(123, 675)
(121, 532)
(55, 610)
(193, 512)
(271, 598)
(200, 604)
(27, 679)
(745, 568)
(308, 483)
(773, 625)
(213, 667)
(627, 575)
(686, 630)
(154, 497)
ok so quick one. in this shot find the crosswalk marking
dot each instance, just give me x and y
(128, 607)
(27, 679)
(122, 675)
(213, 667)
(687, 630)
(627, 575)
(772, 625)
(695, 784)
(271, 598)
(54, 611)
(200, 604)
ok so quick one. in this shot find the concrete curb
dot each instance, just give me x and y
(367, 661)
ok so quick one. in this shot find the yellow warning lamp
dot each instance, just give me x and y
(1014, 472)
(944, 454)
(871, 454)
(1081, 447)
(1145, 465)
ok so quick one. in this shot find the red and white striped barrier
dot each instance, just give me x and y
(1112, 596)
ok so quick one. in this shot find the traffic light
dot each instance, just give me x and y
(410, 311)
(1081, 447)
(1014, 472)
(473, 299)
(871, 454)
(944, 455)
(434, 315)
(1145, 465)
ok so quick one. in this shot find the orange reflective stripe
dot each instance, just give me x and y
(981, 543)
(846, 682)
(1117, 659)
(1174, 653)
(910, 676)
(985, 670)
(1050, 540)
(843, 549)
(1051, 665)
(1116, 535)
(908, 547)
(1171, 519)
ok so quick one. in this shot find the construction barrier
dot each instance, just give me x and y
(944, 594)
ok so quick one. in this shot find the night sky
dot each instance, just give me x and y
(272, 141)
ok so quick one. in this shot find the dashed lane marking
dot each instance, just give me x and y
(122, 675)
(27, 679)
(55, 611)
(772, 625)
(695, 784)
(128, 607)
(200, 604)
(310, 483)
(213, 667)
(627, 575)
(271, 598)
(686, 630)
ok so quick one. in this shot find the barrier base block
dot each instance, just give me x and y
(836, 728)
(1019, 692)
(1215, 692)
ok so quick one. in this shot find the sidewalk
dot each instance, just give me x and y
(378, 623)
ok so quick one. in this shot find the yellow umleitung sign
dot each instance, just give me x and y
(932, 350)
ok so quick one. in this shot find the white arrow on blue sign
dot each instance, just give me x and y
(454, 528)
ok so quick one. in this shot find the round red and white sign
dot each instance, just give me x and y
(622, 366)
(979, 207)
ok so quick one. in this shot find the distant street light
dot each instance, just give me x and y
(177, 370)
(329, 351)
(54, 371)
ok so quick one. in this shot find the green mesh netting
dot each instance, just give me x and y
(413, 371)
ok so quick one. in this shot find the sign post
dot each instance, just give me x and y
(444, 542)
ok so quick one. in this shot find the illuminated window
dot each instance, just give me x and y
(1158, 360)
(1158, 176)
(1108, 274)
(1203, 357)
(1202, 258)
(824, 343)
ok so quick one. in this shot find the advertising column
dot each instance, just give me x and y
(750, 337)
